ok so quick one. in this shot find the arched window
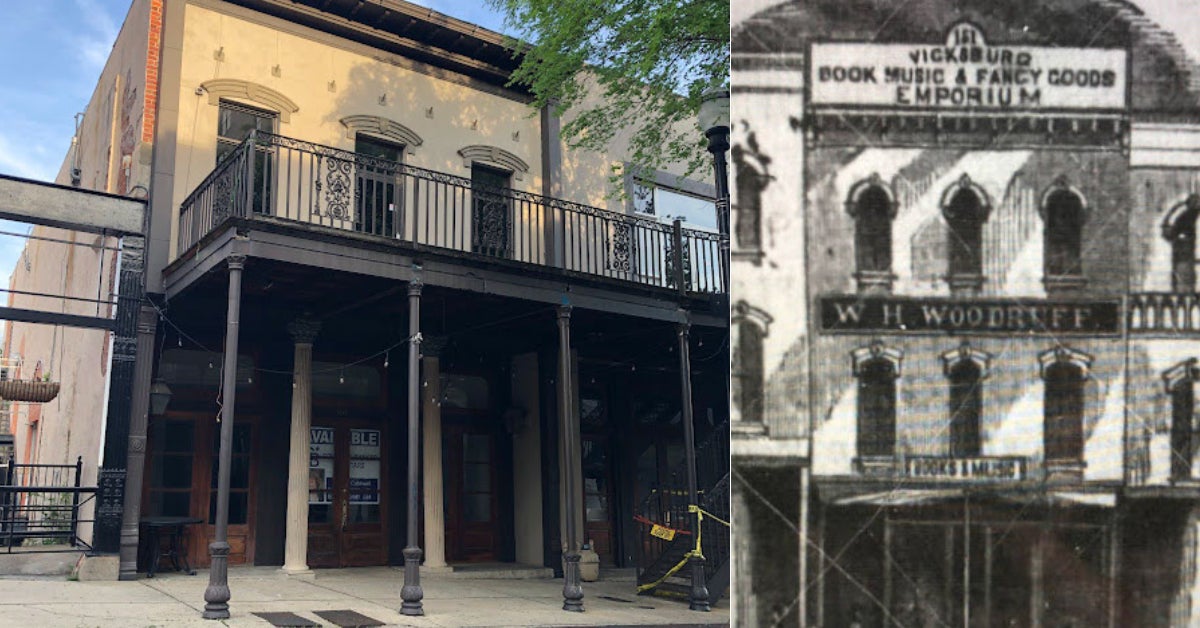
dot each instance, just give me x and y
(751, 179)
(1179, 228)
(749, 328)
(1064, 372)
(966, 367)
(965, 209)
(1180, 384)
(877, 368)
(1064, 213)
(872, 206)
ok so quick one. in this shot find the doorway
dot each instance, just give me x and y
(490, 209)
(347, 499)
(472, 504)
(378, 185)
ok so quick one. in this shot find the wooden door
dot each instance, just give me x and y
(347, 502)
(598, 497)
(472, 507)
(171, 437)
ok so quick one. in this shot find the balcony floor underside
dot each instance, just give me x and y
(336, 251)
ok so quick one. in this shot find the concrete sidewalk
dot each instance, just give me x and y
(176, 600)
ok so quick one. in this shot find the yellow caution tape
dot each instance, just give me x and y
(662, 532)
(700, 514)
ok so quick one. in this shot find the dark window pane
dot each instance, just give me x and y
(373, 147)
(320, 513)
(477, 478)
(477, 448)
(750, 361)
(966, 404)
(1064, 233)
(1182, 408)
(177, 435)
(172, 471)
(877, 409)
(873, 231)
(237, 508)
(964, 216)
(477, 508)
(363, 513)
(1064, 412)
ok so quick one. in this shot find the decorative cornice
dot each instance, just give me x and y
(245, 90)
(743, 311)
(966, 353)
(383, 127)
(1065, 355)
(1186, 371)
(494, 155)
(861, 187)
(876, 351)
(965, 183)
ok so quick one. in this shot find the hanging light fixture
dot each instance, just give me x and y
(160, 396)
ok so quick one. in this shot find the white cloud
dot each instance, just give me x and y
(21, 161)
(96, 40)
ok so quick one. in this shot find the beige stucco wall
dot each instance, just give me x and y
(111, 158)
(329, 79)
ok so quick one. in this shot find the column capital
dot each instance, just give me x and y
(433, 346)
(236, 261)
(415, 285)
(564, 311)
(304, 329)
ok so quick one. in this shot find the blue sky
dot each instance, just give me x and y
(51, 54)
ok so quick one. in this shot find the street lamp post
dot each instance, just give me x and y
(714, 121)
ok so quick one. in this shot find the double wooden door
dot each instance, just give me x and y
(347, 494)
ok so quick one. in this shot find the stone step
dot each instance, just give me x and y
(498, 571)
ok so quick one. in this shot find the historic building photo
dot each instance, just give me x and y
(966, 330)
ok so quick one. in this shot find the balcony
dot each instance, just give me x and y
(271, 178)
(1164, 313)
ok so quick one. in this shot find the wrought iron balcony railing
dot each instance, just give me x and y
(271, 177)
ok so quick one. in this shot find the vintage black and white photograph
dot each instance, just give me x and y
(965, 322)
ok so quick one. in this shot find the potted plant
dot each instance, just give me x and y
(36, 391)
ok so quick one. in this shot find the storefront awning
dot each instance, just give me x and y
(901, 497)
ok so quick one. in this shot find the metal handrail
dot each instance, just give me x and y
(30, 508)
(297, 181)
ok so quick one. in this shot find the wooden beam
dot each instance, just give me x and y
(53, 205)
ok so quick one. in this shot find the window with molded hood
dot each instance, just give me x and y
(235, 121)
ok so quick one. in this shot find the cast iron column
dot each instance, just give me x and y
(572, 588)
(698, 598)
(412, 593)
(718, 145)
(110, 478)
(216, 596)
(139, 419)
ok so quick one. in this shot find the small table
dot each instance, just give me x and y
(155, 527)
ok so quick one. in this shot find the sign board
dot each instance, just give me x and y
(897, 315)
(320, 465)
(976, 469)
(967, 74)
(364, 466)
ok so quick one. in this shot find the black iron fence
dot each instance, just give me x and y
(40, 505)
(271, 177)
(667, 505)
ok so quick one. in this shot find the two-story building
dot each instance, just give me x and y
(345, 181)
(994, 228)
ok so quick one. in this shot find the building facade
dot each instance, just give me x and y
(367, 174)
(994, 224)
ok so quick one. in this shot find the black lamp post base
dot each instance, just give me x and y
(412, 593)
(698, 598)
(216, 596)
(572, 586)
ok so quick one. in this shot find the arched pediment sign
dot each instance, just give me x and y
(877, 351)
(966, 353)
(1186, 371)
(858, 189)
(1065, 355)
(965, 183)
(1061, 185)
(245, 90)
(743, 311)
(494, 155)
(1172, 222)
(383, 127)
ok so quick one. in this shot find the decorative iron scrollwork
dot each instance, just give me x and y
(338, 190)
(620, 248)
